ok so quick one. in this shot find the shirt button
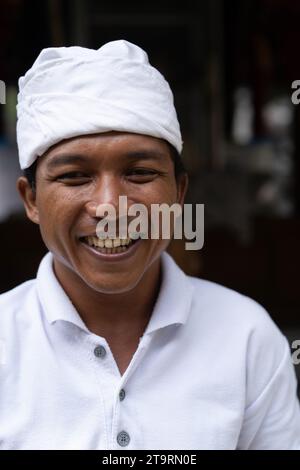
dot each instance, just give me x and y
(123, 439)
(100, 351)
(122, 394)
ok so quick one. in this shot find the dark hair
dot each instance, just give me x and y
(179, 169)
(30, 174)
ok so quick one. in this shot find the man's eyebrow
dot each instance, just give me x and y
(65, 159)
(68, 159)
(145, 155)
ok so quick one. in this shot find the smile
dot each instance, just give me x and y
(109, 246)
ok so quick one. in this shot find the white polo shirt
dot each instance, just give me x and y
(212, 371)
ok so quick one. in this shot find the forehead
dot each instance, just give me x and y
(109, 145)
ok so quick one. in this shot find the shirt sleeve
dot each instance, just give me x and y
(272, 420)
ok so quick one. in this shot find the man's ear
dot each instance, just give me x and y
(182, 186)
(29, 199)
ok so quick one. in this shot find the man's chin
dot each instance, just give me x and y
(109, 286)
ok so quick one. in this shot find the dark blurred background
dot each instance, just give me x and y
(231, 65)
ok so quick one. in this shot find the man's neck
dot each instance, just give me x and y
(113, 316)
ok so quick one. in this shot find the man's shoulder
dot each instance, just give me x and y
(15, 300)
(228, 309)
(214, 294)
(240, 327)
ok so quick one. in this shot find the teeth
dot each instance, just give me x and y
(108, 242)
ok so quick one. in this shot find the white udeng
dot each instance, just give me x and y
(72, 91)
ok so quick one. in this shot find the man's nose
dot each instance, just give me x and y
(105, 193)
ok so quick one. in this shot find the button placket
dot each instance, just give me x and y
(137, 357)
(100, 351)
(122, 394)
(123, 439)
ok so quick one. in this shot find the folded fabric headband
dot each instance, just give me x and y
(72, 91)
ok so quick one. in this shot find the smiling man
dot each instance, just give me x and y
(112, 346)
(78, 175)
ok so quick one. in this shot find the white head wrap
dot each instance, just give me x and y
(72, 91)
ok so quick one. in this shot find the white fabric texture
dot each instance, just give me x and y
(212, 371)
(73, 91)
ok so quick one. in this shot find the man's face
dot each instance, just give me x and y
(76, 176)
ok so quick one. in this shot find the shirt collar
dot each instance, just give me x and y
(172, 305)
(55, 302)
(174, 300)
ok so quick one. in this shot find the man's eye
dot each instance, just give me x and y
(75, 177)
(141, 174)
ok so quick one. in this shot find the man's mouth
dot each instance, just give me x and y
(109, 245)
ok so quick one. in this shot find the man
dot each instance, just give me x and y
(112, 346)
